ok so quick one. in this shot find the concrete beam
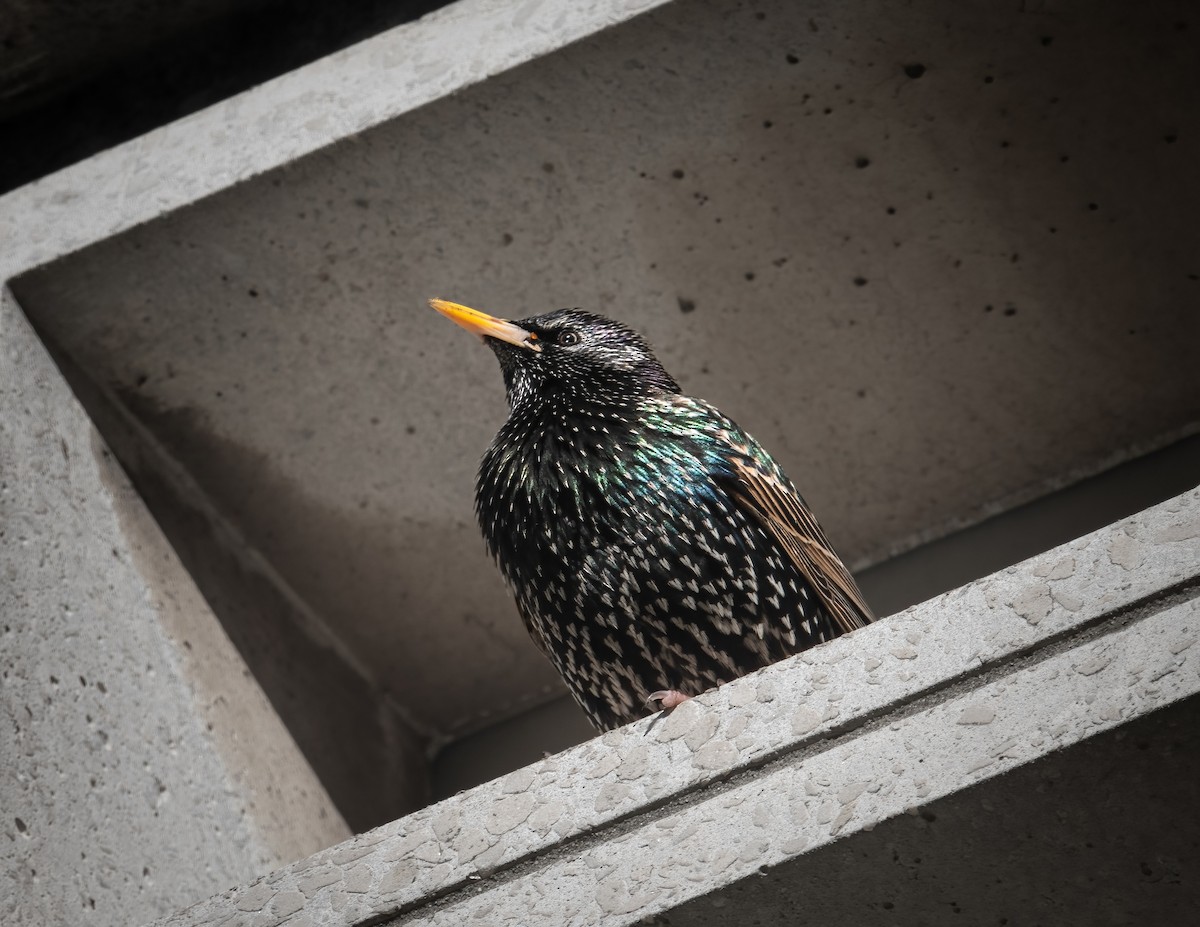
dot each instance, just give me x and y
(178, 735)
(142, 765)
(953, 693)
(285, 119)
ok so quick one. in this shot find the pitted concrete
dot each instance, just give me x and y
(143, 768)
(1080, 837)
(913, 370)
(951, 693)
(286, 119)
(521, 212)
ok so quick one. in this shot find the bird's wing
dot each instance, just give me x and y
(784, 514)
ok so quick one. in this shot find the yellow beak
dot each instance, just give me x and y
(483, 324)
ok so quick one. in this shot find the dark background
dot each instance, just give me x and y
(76, 78)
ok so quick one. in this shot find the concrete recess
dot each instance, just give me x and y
(143, 766)
(951, 695)
(939, 259)
(852, 228)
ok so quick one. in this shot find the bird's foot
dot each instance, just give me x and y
(666, 699)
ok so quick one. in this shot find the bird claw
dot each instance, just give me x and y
(667, 698)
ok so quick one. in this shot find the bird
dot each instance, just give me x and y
(654, 549)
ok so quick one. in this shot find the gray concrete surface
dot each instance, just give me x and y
(1024, 314)
(938, 259)
(891, 586)
(142, 766)
(952, 693)
(1081, 837)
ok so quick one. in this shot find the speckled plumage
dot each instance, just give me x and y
(650, 542)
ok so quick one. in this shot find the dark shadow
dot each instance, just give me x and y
(80, 98)
(369, 759)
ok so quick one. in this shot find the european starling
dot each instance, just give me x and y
(655, 550)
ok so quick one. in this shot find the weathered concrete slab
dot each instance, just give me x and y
(142, 767)
(286, 119)
(681, 171)
(948, 694)
(981, 167)
(1079, 837)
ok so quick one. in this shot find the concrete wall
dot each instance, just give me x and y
(938, 258)
(142, 766)
(723, 809)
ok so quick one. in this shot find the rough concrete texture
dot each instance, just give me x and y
(937, 258)
(287, 118)
(974, 157)
(951, 693)
(344, 724)
(142, 766)
(1078, 838)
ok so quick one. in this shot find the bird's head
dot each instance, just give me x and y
(566, 355)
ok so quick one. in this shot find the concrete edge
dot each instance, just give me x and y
(325, 102)
(167, 746)
(286, 805)
(740, 829)
(1058, 606)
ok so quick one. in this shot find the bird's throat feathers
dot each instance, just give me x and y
(574, 388)
(558, 462)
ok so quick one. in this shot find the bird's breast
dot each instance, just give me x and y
(541, 483)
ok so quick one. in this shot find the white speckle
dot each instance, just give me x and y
(977, 714)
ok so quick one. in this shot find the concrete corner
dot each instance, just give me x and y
(143, 767)
(968, 697)
(939, 258)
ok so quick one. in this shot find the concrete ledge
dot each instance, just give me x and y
(272, 125)
(143, 767)
(90, 590)
(1077, 641)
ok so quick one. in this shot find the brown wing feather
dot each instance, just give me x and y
(789, 520)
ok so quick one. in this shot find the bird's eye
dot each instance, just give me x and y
(569, 338)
